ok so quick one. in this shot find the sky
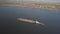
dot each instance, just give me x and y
(30, 0)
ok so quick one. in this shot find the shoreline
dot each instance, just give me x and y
(33, 5)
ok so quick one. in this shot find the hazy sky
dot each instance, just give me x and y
(31, 0)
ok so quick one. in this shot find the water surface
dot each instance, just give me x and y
(9, 24)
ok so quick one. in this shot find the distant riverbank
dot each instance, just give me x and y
(33, 5)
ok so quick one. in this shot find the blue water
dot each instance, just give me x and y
(9, 24)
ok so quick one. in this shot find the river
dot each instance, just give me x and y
(9, 24)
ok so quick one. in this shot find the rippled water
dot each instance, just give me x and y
(9, 24)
